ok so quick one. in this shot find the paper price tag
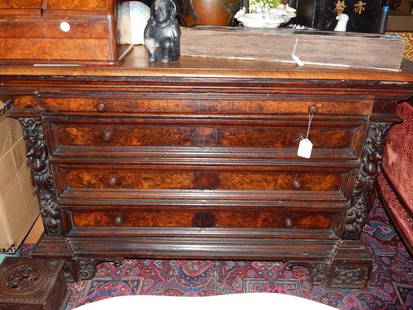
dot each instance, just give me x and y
(305, 148)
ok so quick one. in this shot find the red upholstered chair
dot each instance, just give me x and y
(395, 181)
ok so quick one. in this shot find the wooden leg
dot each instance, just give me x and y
(351, 266)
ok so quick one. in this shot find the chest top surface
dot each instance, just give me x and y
(136, 64)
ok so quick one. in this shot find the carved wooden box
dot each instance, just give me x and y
(32, 284)
(58, 31)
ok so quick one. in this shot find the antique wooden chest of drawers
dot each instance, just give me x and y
(198, 159)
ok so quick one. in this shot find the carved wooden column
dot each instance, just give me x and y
(42, 179)
(360, 201)
(351, 263)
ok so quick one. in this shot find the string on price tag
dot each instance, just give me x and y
(305, 147)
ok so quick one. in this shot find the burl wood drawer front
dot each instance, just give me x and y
(258, 218)
(67, 136)
(79, 5)
(44, 39)
(242, 105)
(95, 29)
(106, 181)
(56, 4)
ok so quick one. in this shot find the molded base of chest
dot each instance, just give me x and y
(330, 262)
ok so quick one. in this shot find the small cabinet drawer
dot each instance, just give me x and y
(227, 136)
(64, 29)
(208, 217)
(59, 40)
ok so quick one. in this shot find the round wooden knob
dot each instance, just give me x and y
(107, 135)
(112, 181)
(289, 223)
(313, 109)
(118, 220)
(101, 107)
(296, 184)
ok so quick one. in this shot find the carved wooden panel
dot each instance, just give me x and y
(27, 283)
(361, 199)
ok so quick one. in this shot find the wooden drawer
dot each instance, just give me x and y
(204, 182)
(57, 31)
(68, 136)
(204, 104)
(44, 40)
(79, 29)
(284, 217)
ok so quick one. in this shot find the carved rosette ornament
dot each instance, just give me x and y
(23, 279)
(42, 180)
(371, 158)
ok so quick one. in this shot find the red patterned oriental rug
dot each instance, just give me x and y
(391, 285)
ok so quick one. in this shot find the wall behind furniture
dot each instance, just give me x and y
(19, 208)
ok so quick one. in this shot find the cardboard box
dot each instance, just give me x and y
(19, 207)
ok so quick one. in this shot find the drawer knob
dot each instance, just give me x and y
(107, 135)
(118, 220)
(296, 184)
(289, 222)
(113, 181)
(64, 26)
(101, 107)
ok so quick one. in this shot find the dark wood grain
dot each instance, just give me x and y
(204, 218)
(202, 178)
(219, 105)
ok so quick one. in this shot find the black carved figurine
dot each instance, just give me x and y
(162, 33)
